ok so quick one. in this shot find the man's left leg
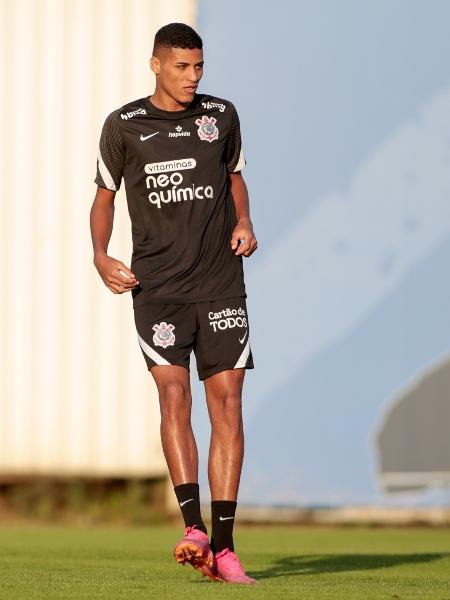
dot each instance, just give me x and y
(223, 395)
(226, 452)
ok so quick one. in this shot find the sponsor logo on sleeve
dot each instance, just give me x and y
(133, 113)
(217, 105)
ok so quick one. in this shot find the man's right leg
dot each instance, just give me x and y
(166, 334)
(180, 451)
(177, 437)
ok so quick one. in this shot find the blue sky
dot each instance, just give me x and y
(343, 110)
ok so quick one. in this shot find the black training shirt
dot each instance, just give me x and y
(175, 167)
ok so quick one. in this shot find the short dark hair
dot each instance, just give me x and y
(177, 35)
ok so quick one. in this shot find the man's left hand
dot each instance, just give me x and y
(244, 232)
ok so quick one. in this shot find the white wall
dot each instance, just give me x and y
(75, 393)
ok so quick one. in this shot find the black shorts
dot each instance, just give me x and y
(217, 331)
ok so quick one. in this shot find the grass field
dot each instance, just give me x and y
(292, 562)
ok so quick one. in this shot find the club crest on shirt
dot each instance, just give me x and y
(163, 335)
(207, 129)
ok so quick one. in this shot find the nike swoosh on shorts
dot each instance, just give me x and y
(242, 341)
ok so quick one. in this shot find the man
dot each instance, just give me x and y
(180, 155)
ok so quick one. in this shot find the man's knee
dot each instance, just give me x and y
(226, 410)
(228, 402)
(175, 400)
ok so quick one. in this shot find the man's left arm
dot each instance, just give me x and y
(244, 227)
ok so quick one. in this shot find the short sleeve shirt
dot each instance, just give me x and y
(175, 168)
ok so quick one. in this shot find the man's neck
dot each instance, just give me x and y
(165, 102)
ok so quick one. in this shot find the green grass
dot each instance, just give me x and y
(65, 563)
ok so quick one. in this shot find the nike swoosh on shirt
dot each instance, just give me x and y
(242, 341)
(186, 501)
(225, 518)
(145, 137)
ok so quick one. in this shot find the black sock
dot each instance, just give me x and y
(188, 497)
(222, 517)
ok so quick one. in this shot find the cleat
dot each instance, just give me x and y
(194, 549)
(229, 568)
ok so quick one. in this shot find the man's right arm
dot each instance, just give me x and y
(101, 220)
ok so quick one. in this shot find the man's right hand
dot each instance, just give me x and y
(116, 276)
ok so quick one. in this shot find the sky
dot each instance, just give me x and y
(346, 129)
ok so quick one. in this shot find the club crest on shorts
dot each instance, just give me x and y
(207, 129)
(164, 335)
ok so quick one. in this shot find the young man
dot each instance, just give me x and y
(180, 155)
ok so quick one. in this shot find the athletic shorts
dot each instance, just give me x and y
(217, 331)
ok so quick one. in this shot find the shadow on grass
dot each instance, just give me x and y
(313, 565)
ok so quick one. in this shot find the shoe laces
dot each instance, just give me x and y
(192, 529)
(189, 529)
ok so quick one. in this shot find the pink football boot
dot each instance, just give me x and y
(194, 548)
(229, 568)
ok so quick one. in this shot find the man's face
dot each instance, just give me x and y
(179, 71)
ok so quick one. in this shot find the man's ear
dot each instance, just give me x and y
(155, 65)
